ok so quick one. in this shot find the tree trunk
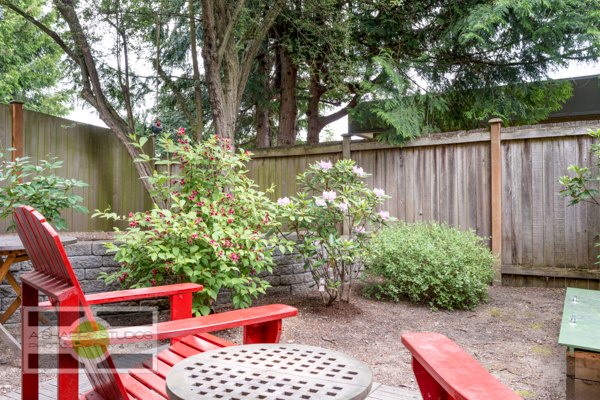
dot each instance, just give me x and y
(197, 85)
(315, 91)
(263, 129)
(288, 105)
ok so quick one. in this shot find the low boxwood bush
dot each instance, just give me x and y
(432, 263)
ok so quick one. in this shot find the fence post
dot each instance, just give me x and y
(346, 156)
(496, 155)
(17, 128)
(346, 146)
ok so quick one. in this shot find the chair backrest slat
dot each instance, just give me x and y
(31, 245)
(48, 257)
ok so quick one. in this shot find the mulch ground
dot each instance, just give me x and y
(514, 336)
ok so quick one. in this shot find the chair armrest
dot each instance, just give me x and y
(440, 365)
(180, 328)
(135, 294)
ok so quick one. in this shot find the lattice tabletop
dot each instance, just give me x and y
(269, 372)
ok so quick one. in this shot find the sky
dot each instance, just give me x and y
(90, 116)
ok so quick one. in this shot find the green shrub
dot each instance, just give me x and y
(428, 262)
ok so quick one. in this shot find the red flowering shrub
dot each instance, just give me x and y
(210, 233)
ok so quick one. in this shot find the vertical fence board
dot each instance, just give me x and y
(559, 205)
(526, 206)
(452, 187)
(570, 212)
(537, 202)
(516, 218)
(409, 179)
(425, 168)
(444, 203)
(483, 216)
(461, 188)
(583, 155)
(507, 250)
(548, 195)
(435, 184)
(472, 187)
(401, 182)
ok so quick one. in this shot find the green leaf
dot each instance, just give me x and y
(204, 310)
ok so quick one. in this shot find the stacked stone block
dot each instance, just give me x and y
(89, 259)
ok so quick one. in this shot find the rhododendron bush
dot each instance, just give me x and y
(333, 198)
(210, 232)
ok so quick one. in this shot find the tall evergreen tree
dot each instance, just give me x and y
(31, 66)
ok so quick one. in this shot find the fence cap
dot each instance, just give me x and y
(16, 102)
(495, 120)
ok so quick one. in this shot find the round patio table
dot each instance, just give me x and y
(269, 372)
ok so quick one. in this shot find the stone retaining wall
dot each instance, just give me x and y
(89, 259)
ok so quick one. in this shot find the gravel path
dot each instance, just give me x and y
(514, 337)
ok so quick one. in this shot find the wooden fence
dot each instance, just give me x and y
(89, 153)
(448, 177)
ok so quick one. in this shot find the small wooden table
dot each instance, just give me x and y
(13, 251)
(580, 332)
(269, 372)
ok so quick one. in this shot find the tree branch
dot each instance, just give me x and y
(229, 29)
(44, 29)
(254, 45)
(326, 120)
(178, 95)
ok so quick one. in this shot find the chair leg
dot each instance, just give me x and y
(29, 343)
(267, 332)
(430, 388)
(68, 366)
(181, 308)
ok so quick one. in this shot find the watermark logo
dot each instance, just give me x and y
(128, 335)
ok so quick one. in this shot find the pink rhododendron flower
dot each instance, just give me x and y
(379, 192)
(329, 196)
(234, 257)
(343, 206)
(384, 215)
(325, 165)
(283, 201)
(358, 229)
(358, 171)
(320, 202)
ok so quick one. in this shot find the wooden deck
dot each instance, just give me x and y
(48, 390)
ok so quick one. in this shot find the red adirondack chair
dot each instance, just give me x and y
(54, 276)
(444, 371)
